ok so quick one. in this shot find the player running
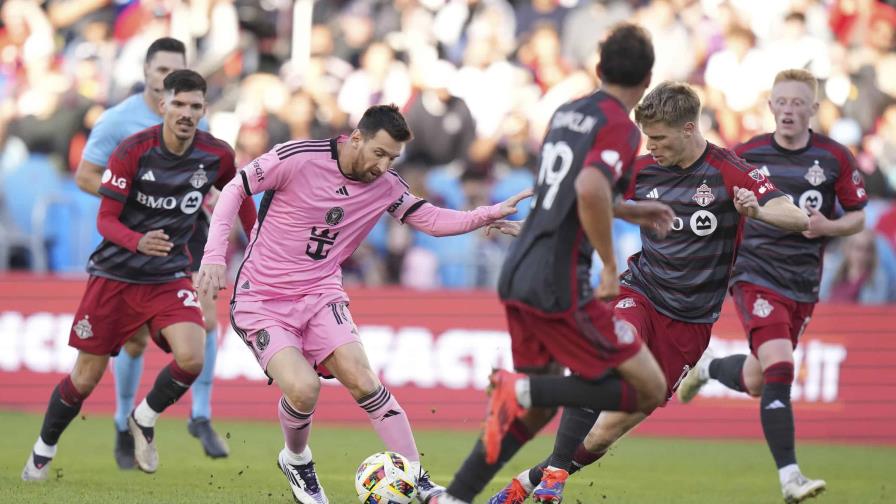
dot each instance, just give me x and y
(777, 274)
(673, 291)
(322, 197)
(139, 273)
(134, 114)
(554, 316)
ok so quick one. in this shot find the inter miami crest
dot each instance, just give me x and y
(703, 196)
(262, 339)
(762, 308)
(334, 216)
(199, 177)
(815, 175)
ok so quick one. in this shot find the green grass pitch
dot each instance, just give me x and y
(639, 470)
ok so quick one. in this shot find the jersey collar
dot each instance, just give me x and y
(792, 152)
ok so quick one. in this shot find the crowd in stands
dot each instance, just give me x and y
(477, 80)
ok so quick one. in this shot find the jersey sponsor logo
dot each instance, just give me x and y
(343, 191)
(811, 199)
(259, 172)
(861, 193)
(83, 329)
(856, 178)
(114, 180)
(191, 202)
(262, 338)
(762, 308)
(321, 240)
(149, 176)
(334, 216)
(394, 206)
(766, 187)
(815, 174)
(653, 194)
(625, 303)
(703, 196)
(166, 202)
(757, 175)
(703, 223)
(625, 333)
(199, 177)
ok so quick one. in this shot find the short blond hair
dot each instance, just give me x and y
(673, 103)
(798, 75)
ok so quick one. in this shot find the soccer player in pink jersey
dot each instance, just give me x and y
(322, 197)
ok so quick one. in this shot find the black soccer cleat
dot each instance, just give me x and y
(124, 450)
(212, 443)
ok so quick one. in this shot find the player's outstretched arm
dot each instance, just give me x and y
(653, 215)
(212, 275)
(436, 221)
(89, 176)
(595, 206)
(848, 224)
(779, 212)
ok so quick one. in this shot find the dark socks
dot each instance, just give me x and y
(574, 426)
(776, 413)
(610, 393)
(172, 383)
(729, 371)
(475, 473)
(580, 459)
(65, 403)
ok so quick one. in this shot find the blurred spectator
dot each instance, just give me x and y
(856, 274)
(381, 79)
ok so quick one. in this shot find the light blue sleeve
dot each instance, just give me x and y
(105, 136)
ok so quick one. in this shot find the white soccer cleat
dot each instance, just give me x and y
(696, 378)
(37, 468)
(144, 446)
(306, 488)
(799, 488)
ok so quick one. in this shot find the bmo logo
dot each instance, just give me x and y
(702, 222)
(166, 202)
(191, 202)
(811, 199)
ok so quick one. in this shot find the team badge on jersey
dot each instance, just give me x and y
(625, 303)
(856, 178)
(334, 216)
(262, 339)
(625, 333)
(199, 177)
(83, 329)
(815, 175)
(762, 308)
(703, 196)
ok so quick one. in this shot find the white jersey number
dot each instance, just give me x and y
(551, 172)
(189, 298)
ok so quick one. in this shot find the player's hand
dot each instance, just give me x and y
(154, 243)
(508, 207)
(608, 288)
(211, 279)
(818, 224)
(507, 227)
(745, 202)
(656, 216)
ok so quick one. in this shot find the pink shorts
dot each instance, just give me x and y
(316, 325)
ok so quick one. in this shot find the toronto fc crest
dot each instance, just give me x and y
(703, 196)
(199, 177)
(83, 329)
(815, 175)
(762, 308)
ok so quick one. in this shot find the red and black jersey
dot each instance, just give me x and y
(816, 176)
(159, 190)
(685, 275)
(548, 266)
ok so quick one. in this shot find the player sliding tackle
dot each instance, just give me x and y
(322, 197)
(673, 290)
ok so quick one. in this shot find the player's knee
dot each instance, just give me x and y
(651, 396)
(135, 346)
(302, 394)
(190, 362)
(360, 382)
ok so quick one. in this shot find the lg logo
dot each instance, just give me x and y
(114, 180)
(702, 223)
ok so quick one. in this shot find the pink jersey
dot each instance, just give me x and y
(312, 218)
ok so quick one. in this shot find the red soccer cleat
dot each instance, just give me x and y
(503, 409)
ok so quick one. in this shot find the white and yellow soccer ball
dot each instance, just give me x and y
(386, 478)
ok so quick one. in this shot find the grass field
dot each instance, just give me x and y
(642, 470)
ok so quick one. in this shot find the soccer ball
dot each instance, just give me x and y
(386, 478)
